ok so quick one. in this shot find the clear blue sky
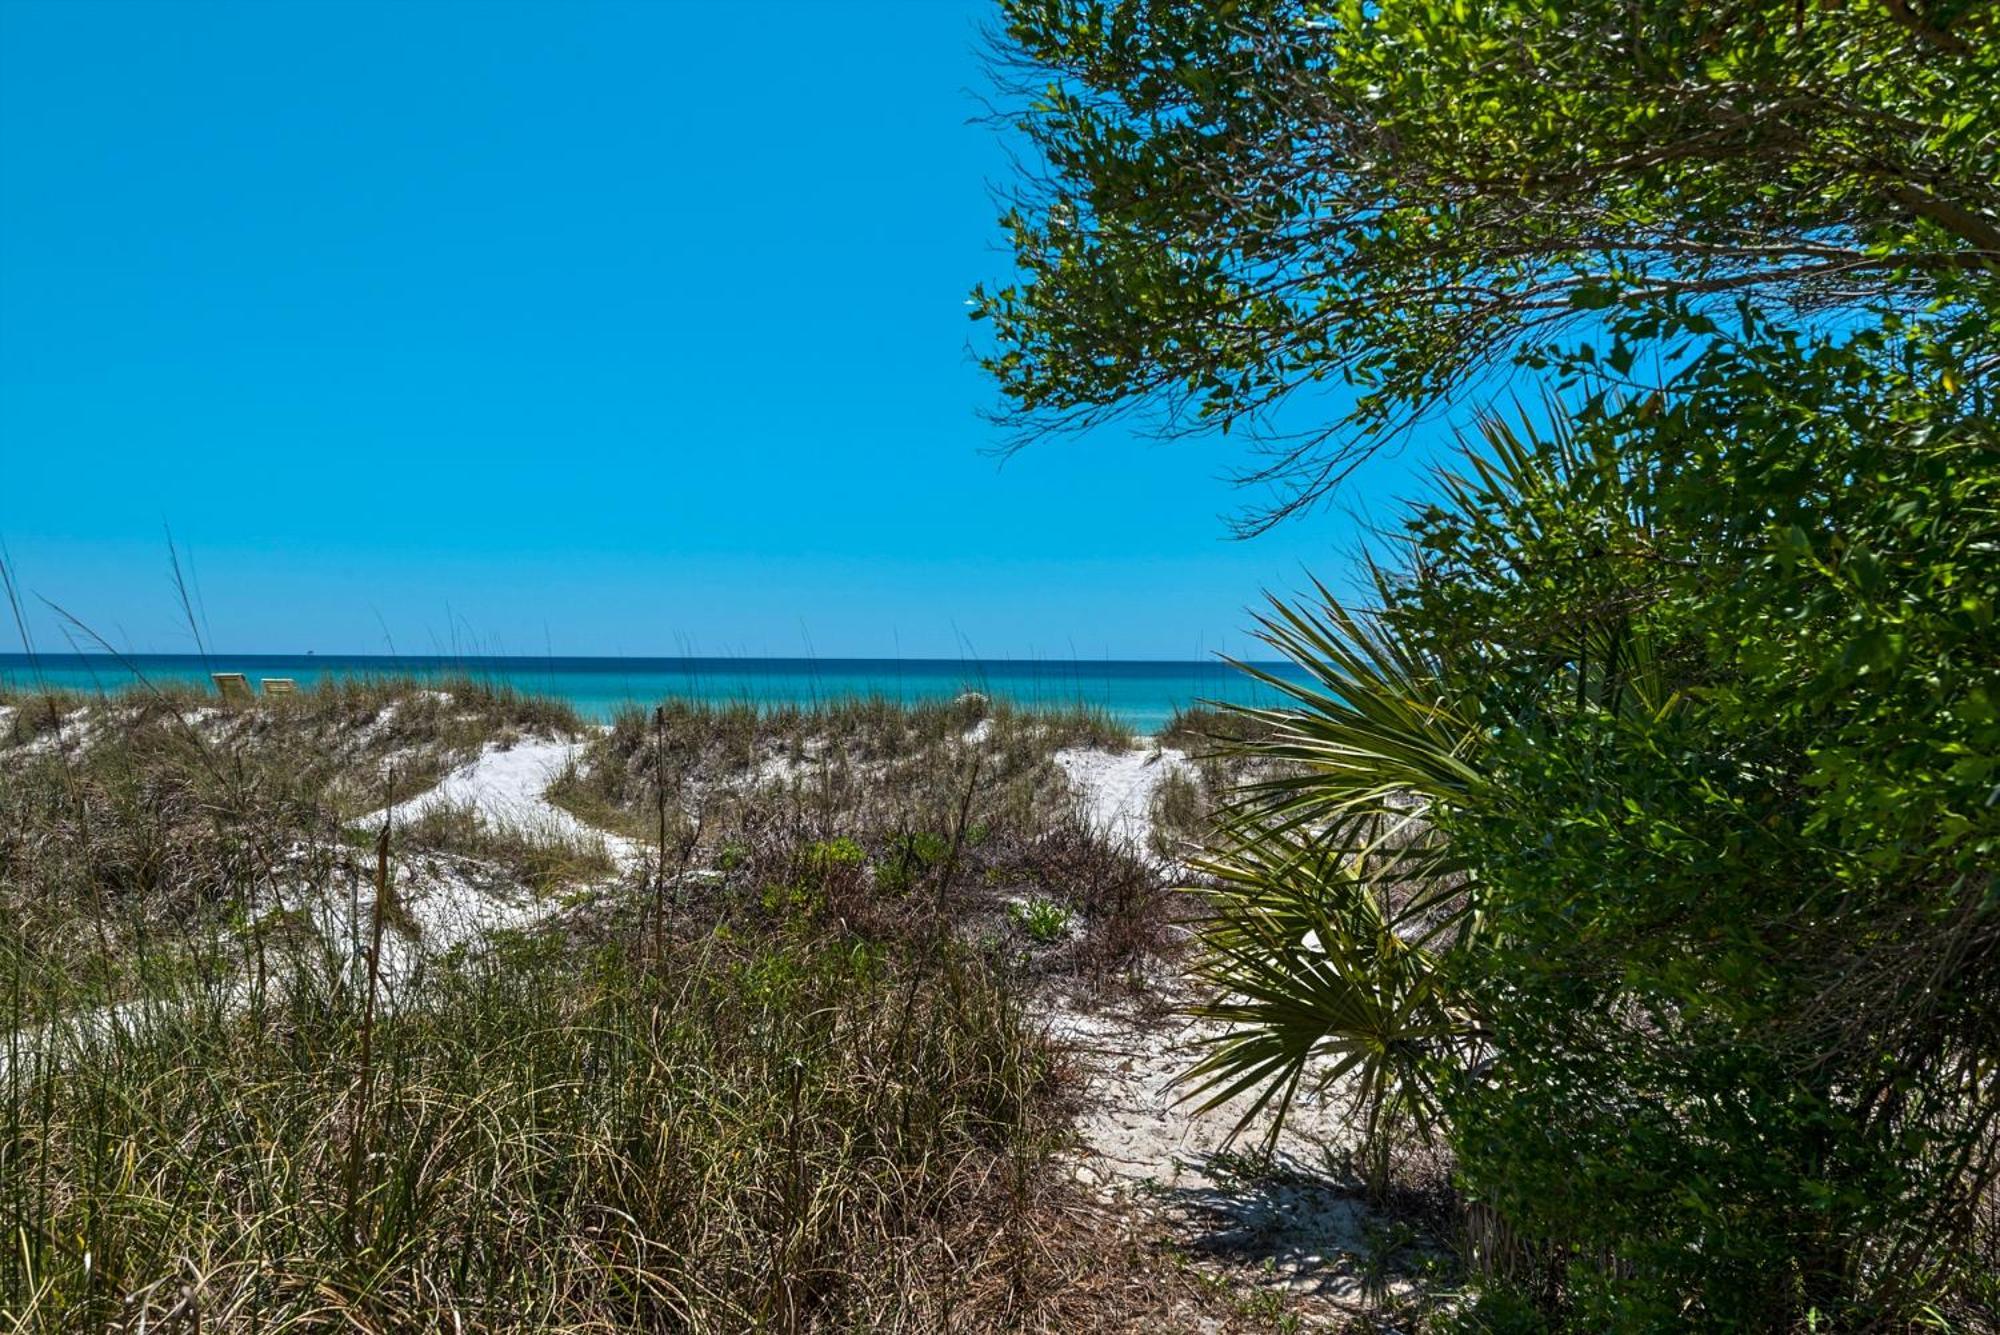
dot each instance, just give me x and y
(611, 328)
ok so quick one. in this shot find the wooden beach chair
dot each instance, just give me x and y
(234, 687)
(279, 686)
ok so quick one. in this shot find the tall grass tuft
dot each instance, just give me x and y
(772, 1134)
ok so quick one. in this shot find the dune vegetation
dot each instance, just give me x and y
(760, 1041)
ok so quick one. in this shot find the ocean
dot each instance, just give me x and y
(1143, 694)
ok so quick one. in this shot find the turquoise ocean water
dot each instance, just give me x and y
(1142, 694)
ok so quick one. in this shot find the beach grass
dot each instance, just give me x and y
(740, 1133)
(783, 1074)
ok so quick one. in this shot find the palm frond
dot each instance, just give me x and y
(1340, 906)
(1312, 980)
(1333, 893)
(1368, 742)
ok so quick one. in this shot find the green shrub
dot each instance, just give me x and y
(908, 858)
(1742, 762)
(1044, 920)
(1706, 729)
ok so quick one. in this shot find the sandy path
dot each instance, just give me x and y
(509, 787)
(448, 901)
(1117, 787)
(1297, 1224)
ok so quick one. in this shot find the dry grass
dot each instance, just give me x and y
(139, 823)
(546, 861)
(945, 815)
(1201, 731)
(738, 1133)
(792, 1081)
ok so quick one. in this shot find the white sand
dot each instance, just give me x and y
(776, 769)
(508, 787)
(375, 727)
(454, 901)
(71, 735)
(450, 901)
(1294, 1228)
(1116, 787)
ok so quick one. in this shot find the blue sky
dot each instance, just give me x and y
(606, 328)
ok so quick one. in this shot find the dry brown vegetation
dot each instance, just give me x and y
(788, 1071)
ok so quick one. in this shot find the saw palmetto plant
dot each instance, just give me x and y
(1335, 899)
(1340, 906)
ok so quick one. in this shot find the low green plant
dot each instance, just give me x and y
(1044, 920)
(907, 859)
(831, 855)
(791, 901)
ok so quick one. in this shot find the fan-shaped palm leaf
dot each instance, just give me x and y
(1315, 984)
(1334, 893)
(1340, 908)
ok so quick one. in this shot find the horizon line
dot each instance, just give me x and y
(114, 655)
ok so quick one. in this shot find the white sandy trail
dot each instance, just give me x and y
(1117, 787)
(1143, 1144)
(509, 788)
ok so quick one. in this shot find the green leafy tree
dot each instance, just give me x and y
(1692, 945)
(1740, 970)
(1235, 205)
